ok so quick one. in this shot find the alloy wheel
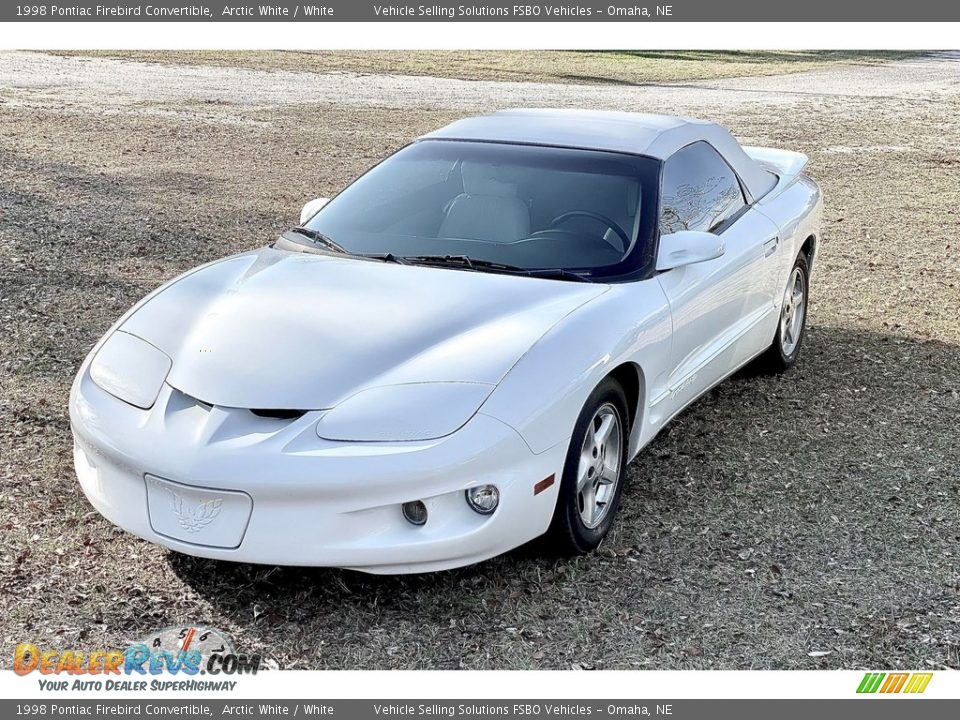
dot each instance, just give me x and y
(598, 473)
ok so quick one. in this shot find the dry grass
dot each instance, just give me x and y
(776, 517)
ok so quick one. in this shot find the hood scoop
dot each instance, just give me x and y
(278, 414)
(180, 401)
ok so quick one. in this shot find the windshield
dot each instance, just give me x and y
(523, 206)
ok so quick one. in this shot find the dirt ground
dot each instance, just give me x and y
(802, 522)
(628, 67)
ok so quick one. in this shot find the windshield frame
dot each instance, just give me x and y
(637, 264)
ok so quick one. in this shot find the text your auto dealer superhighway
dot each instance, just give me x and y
(113, 11)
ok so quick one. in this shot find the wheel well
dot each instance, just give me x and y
(808, 249)
(630, 377)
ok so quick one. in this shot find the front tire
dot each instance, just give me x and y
(785, 349)
(593, 474)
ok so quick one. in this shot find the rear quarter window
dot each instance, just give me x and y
(699, 190)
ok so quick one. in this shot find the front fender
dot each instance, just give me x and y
(543, 394)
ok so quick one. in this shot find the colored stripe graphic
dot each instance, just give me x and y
(918, 682)
(870, 682)
(892, 683)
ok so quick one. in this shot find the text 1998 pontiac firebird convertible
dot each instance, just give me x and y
(459, 353)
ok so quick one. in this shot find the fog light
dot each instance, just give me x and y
(415, 512)
(483, 499)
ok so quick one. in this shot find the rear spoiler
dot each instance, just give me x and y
(785, 163)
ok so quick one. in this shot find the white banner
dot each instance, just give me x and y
(753, 684)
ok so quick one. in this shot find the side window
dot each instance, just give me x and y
(699, 190)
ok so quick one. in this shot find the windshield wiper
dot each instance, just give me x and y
(317, 237)
(558, 274)
(462, 261)
(470, 263)
(387, 257)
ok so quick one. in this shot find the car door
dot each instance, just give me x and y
(721, 309)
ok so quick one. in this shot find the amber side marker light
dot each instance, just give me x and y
(544, 484)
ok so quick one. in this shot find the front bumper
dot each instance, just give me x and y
(224, 483)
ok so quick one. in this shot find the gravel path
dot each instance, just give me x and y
(105, 85)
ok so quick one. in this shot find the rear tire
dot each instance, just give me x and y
(593, 474)
(785, 348)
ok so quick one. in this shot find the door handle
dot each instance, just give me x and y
(770, 246)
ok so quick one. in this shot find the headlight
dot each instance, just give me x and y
(130, 369)
(417, 411)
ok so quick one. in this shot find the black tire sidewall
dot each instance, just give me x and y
(567, 522)
(791, 359)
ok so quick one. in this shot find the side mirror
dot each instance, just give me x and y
(688, 247)
(312, 208)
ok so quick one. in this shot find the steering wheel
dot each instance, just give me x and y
(621, 233)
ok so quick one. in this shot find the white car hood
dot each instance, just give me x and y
(278, 329)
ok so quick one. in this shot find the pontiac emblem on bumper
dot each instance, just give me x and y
(193, 518)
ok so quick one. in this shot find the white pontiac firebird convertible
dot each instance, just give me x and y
(460, 352)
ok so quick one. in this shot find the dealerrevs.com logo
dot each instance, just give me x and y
(184, 652)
